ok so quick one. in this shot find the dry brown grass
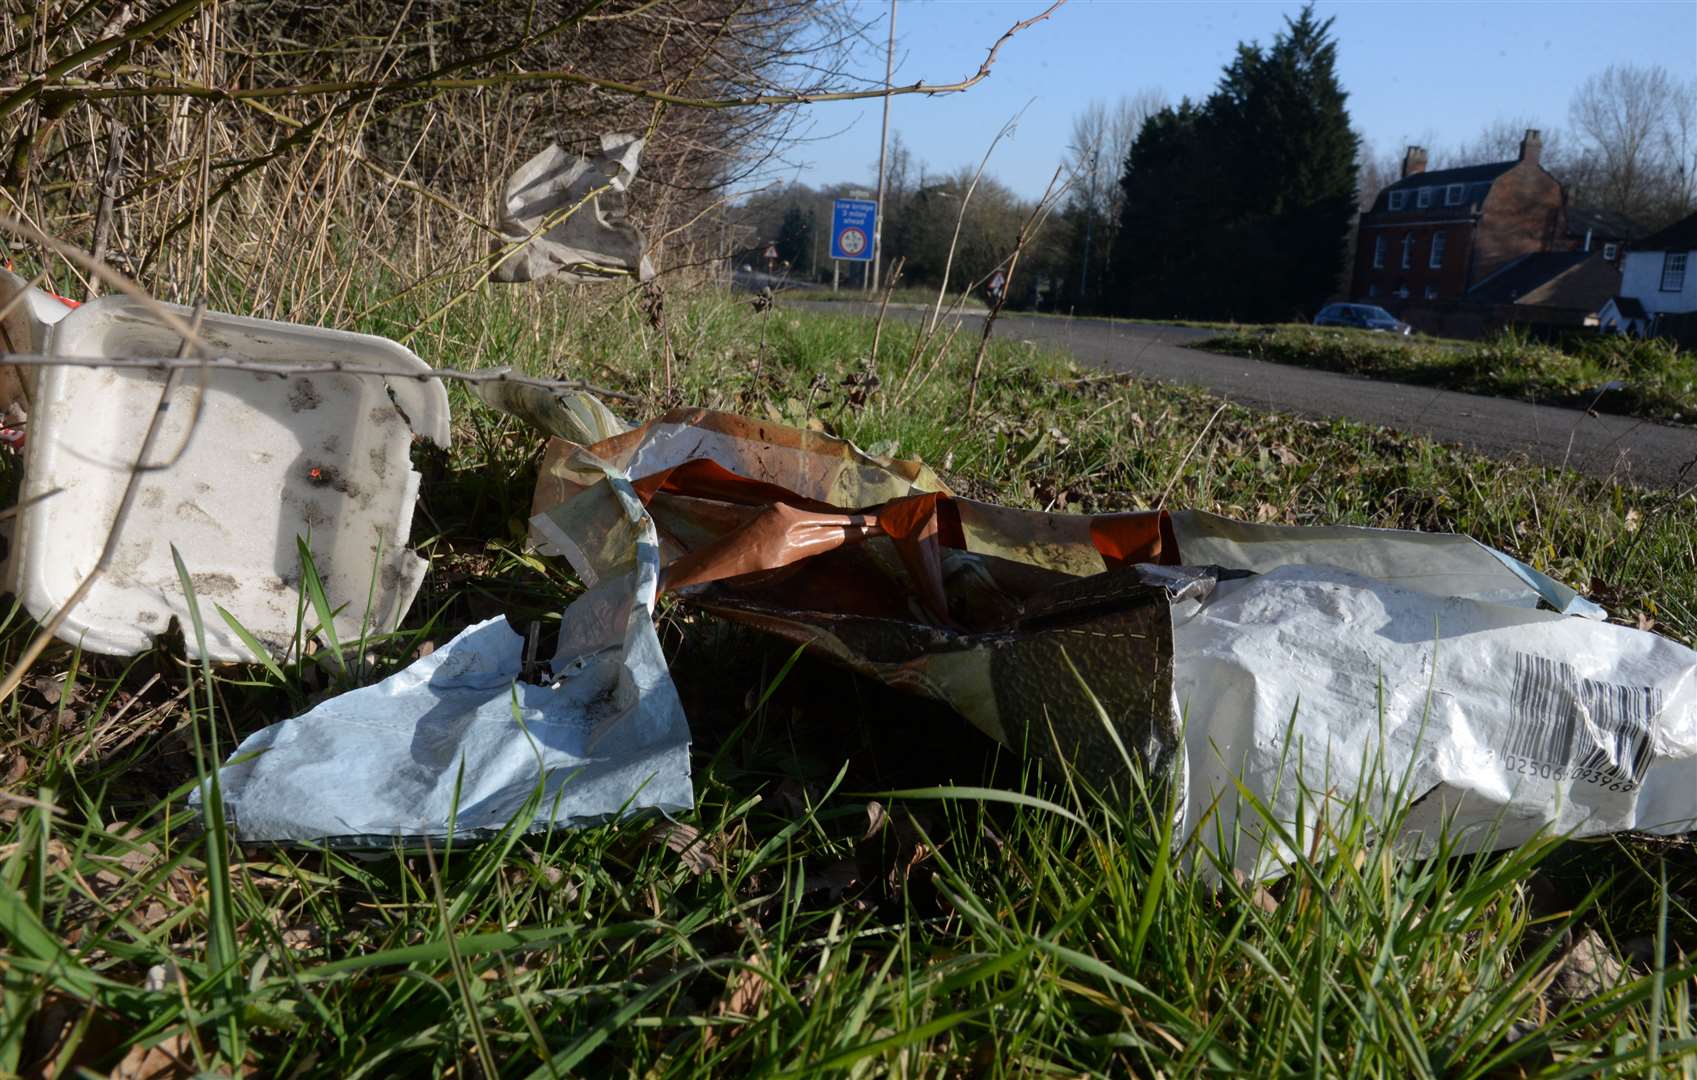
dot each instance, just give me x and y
(274, 157)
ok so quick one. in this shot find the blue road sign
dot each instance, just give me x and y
(853, 223)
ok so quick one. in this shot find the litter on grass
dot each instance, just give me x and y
(1302, 669)
(1313, 665)
(26, 314)
(456, 744)
(565, 216)
(244, 464)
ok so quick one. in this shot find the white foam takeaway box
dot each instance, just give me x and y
(244, 463)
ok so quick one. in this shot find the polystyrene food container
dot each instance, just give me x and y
(23, 328)
(265, 458)
(26, 314)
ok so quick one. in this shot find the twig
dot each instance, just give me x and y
(1038, 214)
(354, 153)
(878, 327)
(131, 489)
(920, 342)
(949, 260)
(108, 193)
(330, 367)
(653, 305)
(83, 92)
(937, 360)
(13, 511)
(17, 301)
(1161, 505)
(113, 721)
(490, 264)
(73, 254)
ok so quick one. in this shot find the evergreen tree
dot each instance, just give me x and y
(1241, 208)
(795, 240)
(1151, 271)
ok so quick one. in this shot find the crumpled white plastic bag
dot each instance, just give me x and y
(1443, 564)
(567, 214)
(456, 742)
(1313, 685)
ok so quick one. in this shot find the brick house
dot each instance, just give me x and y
(1434, 235)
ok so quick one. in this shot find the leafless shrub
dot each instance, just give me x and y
(318, 161)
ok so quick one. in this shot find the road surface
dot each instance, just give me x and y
(1611, 447)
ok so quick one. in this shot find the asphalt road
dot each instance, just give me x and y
(1611, 447)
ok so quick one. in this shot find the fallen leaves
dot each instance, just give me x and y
(168, 1059)
(1588, 968)
(744, 998)
(1256, 893)
(700, 854)
(890, 858)
(67, 1037)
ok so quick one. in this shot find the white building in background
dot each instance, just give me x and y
(1660, 271)
(1624, 315)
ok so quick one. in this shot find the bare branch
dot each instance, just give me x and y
(92, 91)
(289, 371)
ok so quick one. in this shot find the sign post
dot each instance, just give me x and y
(854, 223)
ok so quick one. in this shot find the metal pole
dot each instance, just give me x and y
(883, 145)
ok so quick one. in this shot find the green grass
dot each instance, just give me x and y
(1039, 930)
(1652, 379)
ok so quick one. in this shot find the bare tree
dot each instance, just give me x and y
(1101, 140)
(1625, 117)
(1102, 137)
(899, 179)
(1679, 142)
(1375, 171)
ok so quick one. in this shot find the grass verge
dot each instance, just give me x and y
(1652, 379)
(841, 903)
(914, 296)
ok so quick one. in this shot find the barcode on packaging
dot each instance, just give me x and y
(1581, 724)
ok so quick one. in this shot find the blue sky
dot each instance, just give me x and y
(1429, 70)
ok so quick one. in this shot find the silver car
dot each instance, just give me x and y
(1361, 317)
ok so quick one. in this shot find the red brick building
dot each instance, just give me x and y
(1435, 235)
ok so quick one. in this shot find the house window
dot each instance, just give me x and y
(1610, 252)
(1673, 271)
(1379, 252)
(1424, 199)
(1431, 292)
(1399, 199)
(1439, 242)
(1408, 251)
(1454, 193)
(1372, 291)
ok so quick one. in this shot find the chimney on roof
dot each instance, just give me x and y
(1532, 146)
(1414, 161)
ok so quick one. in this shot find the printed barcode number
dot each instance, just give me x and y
(1588, 729)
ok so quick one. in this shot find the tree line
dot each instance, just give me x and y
(1240, 205)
